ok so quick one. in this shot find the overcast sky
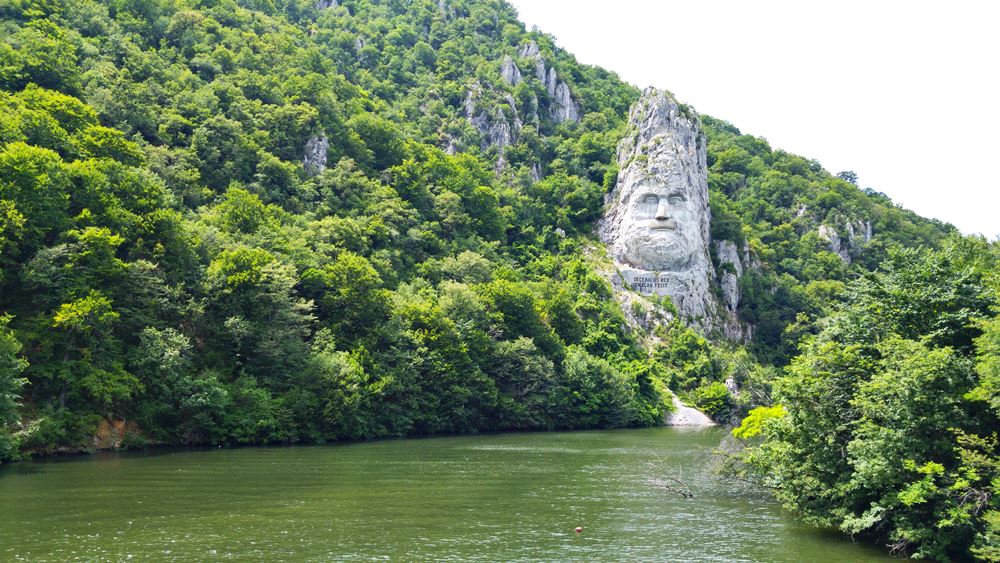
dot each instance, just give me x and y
(903, 93)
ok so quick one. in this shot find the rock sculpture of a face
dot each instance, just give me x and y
(657, 220)
(661, 228)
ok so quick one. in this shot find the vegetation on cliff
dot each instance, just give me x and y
(275, 221)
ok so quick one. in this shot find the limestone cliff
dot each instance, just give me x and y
(856, 234)
(497, 128)
(500, 127)
(730, 270)
(509, 73)
(562, 105)
(657, 219)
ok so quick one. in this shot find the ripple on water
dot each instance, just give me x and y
(497, 497)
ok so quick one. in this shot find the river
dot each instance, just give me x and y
(493, 497)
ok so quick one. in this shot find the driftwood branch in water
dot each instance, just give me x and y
(673, 485)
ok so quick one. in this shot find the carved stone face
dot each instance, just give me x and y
(661, 228)
(656, 221)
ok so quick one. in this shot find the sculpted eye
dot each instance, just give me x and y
(675, 199)
(647, 206)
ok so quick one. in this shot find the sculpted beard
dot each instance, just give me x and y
(658, 249)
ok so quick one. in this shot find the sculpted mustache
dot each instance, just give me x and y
(663, 224)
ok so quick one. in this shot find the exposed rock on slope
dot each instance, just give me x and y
(509, 72)
(314, 159)
(501, 128)
(563, 107)
(857, 234)
(731, 268)
(498, 129)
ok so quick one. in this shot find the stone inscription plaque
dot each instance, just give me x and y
(647, 282)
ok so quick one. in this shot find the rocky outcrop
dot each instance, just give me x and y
(326, 4)
(314, 158)
(498, 129)
(657, 219)
(529, 50)
(500, 133)
(856, 235)
(859, 233)
(549, 80)
(829, 235)
(509, 73)
(562, 106)
(730, 270)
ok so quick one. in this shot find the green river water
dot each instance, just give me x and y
(494, 497)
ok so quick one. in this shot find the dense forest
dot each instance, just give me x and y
(280, 221)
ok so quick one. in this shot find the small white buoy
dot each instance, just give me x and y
(579, 529)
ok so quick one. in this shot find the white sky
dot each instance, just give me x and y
(906, 94)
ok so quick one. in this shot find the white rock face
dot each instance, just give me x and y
(832, 238)
(551, 81)
(509, 72)
(529, 50)
(516, 124)
(536, 172)
(728, 280)
(326, 4)
(497, 128)
(657, 219)
(314, 159)
(500, 131)
(857, 234)
(564, 108)
(540, 71)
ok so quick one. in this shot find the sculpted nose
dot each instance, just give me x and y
(662, 213)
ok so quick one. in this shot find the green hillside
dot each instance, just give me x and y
(280, 221)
